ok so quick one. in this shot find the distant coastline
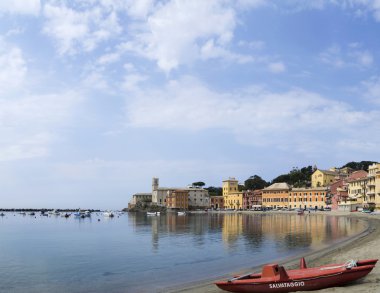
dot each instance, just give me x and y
(45, 210)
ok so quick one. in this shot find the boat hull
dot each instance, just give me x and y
(310, 281)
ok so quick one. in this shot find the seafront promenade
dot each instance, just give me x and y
(366, 245)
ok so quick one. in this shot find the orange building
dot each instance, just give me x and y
(276, 195)
(308, 197)
(178, 199)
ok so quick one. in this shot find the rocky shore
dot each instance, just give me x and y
(366, 245)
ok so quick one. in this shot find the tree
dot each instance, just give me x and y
(241, 187)
(356, 166)
(199, 183)
(213, 191)
(255, 182)
(296, 177)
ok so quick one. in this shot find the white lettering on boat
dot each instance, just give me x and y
(286, 285)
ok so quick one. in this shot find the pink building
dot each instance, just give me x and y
(252, 198)
(339, 189)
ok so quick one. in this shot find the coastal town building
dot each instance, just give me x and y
(232, 197)
(357, 192)
(276, 195)
(326, 177)
(178, 199)
(216, 202)
(140, 198)
(198, 197)
(159, 194)
(377, 188)
(252, 199)
(371, 186)
(340, 195)
(323, 178)
(338, 192)
(303, 198)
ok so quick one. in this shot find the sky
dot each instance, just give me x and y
(99, 96)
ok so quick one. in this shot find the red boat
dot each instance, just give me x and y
(275, 278)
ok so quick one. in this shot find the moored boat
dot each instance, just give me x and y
(181, 213)
(300, 212)
(275, 278)
(153, 213)
(54, 213)
(108, 214)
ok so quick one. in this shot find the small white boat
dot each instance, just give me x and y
(108, 214)
(153, 213)
(54, 212)
(181, 213)
(82, 214)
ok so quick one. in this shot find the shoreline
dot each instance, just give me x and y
(364, 245)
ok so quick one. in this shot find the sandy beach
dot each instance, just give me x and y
(366, 245)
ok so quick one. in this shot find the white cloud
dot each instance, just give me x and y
(132, 80)
(95, 80)
(293, 119)
(140, 9)
(277, 67)
(108, 58)
(254, 45)
(31, 7)
(359, 8)
(352, 55)
(370, 89)
(210, 51)
(77, 31)
(28, 124)
(12, 67)
(251, 3)
(177, 30)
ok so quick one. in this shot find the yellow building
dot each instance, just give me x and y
(276, 195)
(323, 177)
(233, 199)
(377, 189)
(357, 191)
(308, 197)
(372, 199)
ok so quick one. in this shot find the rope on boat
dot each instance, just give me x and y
(348, 265)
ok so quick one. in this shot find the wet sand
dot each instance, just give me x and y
(366, 245)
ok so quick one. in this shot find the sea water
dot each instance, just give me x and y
(139, 253)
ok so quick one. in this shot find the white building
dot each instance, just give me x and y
(198, 197)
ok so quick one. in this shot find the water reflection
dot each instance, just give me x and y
(284, 231)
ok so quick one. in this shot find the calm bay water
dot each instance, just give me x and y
(137, 253)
